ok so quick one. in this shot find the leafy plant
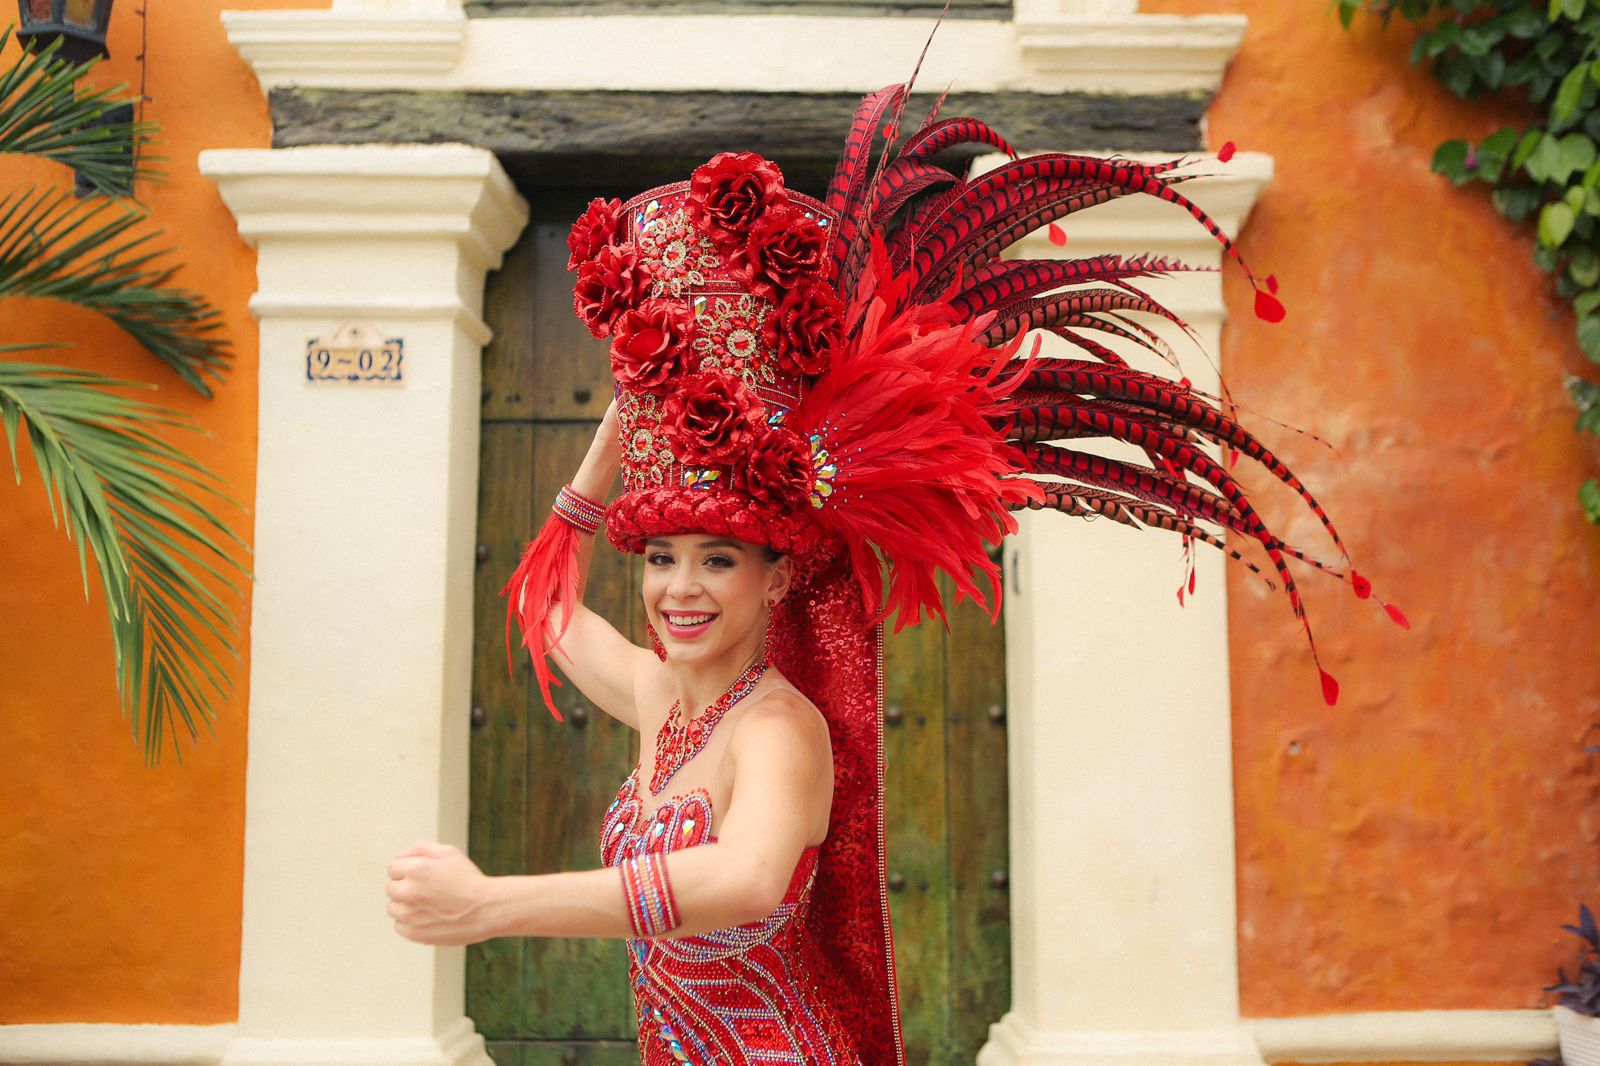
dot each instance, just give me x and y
(1581, 992)
(122, 492)
(1547, 174)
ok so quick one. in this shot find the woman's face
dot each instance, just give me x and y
(706, 594)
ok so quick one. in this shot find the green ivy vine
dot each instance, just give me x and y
(1546, 52)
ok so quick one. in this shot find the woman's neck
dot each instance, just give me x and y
(698, 685)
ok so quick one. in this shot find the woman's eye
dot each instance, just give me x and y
(659, 559)
(718, 561)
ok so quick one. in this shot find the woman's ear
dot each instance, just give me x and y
(779, 577)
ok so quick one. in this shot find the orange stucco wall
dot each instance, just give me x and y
(120, 885)
(1418, 845)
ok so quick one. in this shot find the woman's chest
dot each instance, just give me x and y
(636, 823)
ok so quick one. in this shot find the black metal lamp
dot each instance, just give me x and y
(80, 24)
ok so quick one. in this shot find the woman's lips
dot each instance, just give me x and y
(688, 632)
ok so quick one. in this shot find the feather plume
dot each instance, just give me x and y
(547, 576)
(907, 410)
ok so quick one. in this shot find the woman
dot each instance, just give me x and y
(744, 796)
(817, 412)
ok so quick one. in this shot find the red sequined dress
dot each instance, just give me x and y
(742, 995)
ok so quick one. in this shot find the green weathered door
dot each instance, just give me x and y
(539, 788)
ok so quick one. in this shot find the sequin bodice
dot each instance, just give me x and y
(736, 996)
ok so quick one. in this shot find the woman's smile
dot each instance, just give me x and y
(686, 625)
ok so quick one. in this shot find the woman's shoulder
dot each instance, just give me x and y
(782, 714)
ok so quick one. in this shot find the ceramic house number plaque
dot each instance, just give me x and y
(355, 353)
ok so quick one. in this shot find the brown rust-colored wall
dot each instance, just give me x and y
(120, 885)
(1417, 845)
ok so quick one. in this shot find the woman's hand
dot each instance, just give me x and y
(599, 466)
(438, 896)
(608, 423)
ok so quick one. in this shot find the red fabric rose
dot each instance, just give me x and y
(609, 284)
(778, 469)
(805, 328)
(649, 343)
(784, 249)
(595, 228)
(710, 420)
(728, 194)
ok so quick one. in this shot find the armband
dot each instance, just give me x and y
(651, 909)
(578, 511)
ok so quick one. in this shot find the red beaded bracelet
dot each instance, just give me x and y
(652, 910)
(578, 510)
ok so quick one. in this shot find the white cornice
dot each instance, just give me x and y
(1409, 1036)
(290, 47)
(1132, 53)
(372, 192)
(1379, 1036)
(1050, 48)
(169, 1045)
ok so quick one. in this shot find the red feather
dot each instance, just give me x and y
(547, 576)
(906, 411)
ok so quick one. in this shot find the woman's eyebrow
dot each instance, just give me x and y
(706, 545)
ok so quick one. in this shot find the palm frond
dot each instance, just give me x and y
(87, 252)
(135, 502)
(43, 114)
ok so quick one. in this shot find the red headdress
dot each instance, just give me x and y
(839, 379)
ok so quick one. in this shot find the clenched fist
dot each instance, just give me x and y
(438, 896)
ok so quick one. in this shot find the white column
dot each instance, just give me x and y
(1123, 918)
(361, 630)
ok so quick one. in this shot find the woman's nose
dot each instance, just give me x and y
(683, 583)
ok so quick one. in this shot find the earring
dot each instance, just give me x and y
(772, 629)
(655, 643)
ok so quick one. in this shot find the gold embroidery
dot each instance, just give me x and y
(664, 241)
(647, 457)
(729, 336)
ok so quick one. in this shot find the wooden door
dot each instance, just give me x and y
(539, 787)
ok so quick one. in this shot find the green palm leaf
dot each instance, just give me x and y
(54, 245)
(135, 502)
(42, 114)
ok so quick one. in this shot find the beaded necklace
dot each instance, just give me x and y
(678, 742)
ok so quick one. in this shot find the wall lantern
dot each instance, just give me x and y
(81, 25)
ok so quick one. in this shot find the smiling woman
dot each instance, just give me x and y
(725, 864)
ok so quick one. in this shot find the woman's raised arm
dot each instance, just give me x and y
(591, 654)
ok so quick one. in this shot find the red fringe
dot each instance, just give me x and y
(546, 576)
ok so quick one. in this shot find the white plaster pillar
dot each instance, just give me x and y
(1123, 919)
(361, 629)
